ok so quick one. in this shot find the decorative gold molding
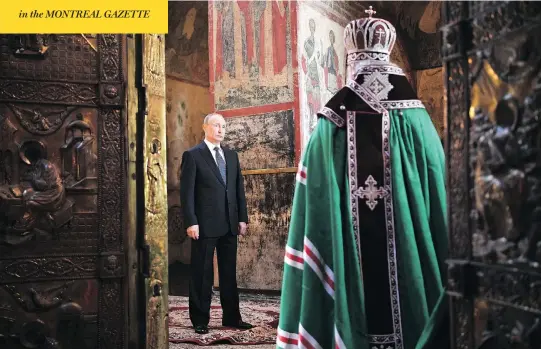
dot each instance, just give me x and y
(261, 171)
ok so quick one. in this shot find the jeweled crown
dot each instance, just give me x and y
(369, 38)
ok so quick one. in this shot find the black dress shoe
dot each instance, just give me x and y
(240, 325)
(201, 329)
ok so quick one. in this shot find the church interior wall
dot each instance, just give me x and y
(187, 103)
(265, 144)
(317, 82)
(429, 84)
(261, 90)
(245, 60)
(417, 24)
(252, 77)
(321, 56)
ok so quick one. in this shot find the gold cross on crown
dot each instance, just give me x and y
(370, 12)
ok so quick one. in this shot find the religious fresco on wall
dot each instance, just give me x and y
(263, 141)
(186, 44)
(321, 64)
(251, 45)
(260, 258)
(430, 92)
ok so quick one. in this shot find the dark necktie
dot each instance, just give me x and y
(221, 162)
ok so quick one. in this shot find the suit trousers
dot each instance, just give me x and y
(202, 277)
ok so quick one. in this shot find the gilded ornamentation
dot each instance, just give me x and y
(109, 47)
(41, 120)
(36, 206)
(493, 88)
(52, 92)
(456, 77)
(111, 315)
(41, 268)
(111, 189)
(62, 190)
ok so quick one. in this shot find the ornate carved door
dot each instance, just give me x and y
(492, 56)
(72, 266)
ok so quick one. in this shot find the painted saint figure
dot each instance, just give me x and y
(225, 43)
(331, 67)
(311, 80)
(279, 35)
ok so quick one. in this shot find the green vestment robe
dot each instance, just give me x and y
(364, 262)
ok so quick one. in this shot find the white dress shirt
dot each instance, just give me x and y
(213, 152)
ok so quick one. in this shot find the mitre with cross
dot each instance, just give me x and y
(369, 38)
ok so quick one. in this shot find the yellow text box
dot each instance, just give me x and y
(71, 17)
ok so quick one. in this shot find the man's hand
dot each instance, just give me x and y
(242, 228)
(193, 231)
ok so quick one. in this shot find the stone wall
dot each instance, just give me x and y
(257, 70)
(188, 101)
(253, 78)
(261, 61)
(417, 24)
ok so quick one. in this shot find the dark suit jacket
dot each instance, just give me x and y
(206, 200)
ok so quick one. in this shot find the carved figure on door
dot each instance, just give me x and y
(36, 206)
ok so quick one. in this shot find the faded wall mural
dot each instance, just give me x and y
(186, 44)
(263, 141)
(321, 63)
(261, 253)
(260, 258)
(187, 105)
(252, 56)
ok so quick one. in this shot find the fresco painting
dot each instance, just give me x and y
(263, 141)
(186, 44)
(321, 64)
(252, 54)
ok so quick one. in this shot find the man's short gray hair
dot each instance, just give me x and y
(209, 116)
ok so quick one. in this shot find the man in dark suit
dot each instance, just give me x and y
(214, 206)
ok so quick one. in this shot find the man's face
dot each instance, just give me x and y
(312, 26)
(215, 129)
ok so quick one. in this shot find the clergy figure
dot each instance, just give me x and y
(364, 262)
